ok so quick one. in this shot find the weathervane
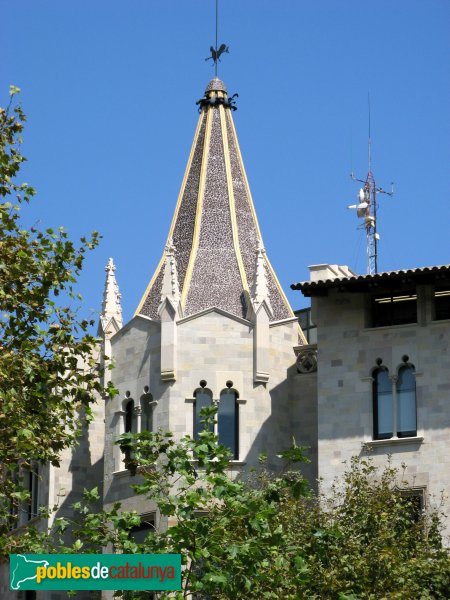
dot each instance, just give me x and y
(367, 209)
(216, 52)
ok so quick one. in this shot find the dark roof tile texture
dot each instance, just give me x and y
(216, 280)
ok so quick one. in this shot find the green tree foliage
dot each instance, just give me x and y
(47, 374)
(267, 536)
(366, 539)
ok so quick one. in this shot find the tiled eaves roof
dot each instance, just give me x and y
(362, 283)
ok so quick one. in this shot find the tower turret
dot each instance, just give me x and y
(214, 229)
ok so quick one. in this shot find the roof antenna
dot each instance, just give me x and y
(369, 142)
(367, 207)
(215, 51)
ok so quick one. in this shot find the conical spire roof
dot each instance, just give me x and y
(214, 230)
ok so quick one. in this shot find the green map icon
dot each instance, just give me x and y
(24, 570)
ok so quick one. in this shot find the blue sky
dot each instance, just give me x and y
(110, 86)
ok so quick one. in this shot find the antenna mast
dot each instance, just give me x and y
(367, 208)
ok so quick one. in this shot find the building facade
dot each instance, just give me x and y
(383, 379)
(214, 326)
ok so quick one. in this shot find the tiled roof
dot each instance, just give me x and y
(359, 282)
(214, 230)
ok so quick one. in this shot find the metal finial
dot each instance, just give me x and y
(217, 35)
(216, 52)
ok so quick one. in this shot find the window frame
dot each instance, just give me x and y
(235, 450)
(375, 402)
(407, 432)
(415, 493)
(33, 488)
(392, 299)
(148, 522)
(196, 426)
(307, 325)
(129, 416)
(395, 395)
(146, 409)
(441, 301)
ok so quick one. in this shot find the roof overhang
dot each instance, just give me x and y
(371, 283)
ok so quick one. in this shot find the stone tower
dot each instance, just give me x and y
(213, 324)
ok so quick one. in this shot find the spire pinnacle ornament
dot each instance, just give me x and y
(260, 289)
(111, 306)
(170, 286)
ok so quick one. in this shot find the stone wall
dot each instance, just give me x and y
(215, 347)
(347, 354)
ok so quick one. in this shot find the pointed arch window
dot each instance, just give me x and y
(382, 404)
(406, 400)
(228, 422)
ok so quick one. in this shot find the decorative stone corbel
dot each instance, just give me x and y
(306, 361)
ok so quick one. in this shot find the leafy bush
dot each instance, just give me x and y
(267, 536)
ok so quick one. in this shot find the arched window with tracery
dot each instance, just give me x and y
(406, 402)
